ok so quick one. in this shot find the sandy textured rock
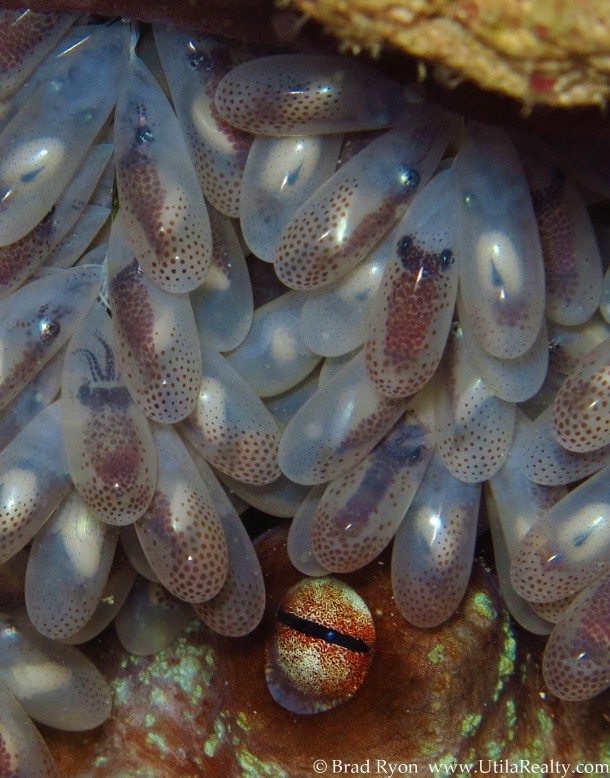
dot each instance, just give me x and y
(555, 52)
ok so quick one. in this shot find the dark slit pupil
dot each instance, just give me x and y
(314, 630)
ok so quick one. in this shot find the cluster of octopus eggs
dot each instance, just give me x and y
(422, 320)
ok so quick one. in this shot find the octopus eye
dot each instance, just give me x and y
(415, 454)
(199, 61)
(403, 245)
(321, 647)
(554, 347)
(409, 178)
(447, 258)
(144, 135)
(48, 328)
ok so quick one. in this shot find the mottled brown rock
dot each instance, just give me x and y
(471, 689)
(555, 52)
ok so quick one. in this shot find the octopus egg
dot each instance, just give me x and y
(321, 647)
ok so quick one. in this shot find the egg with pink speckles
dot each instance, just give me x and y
(321, 648)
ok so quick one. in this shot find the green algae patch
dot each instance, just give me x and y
(470, 724)
(436, 655)
(484, 606)
(253, 767)
(158, 741)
